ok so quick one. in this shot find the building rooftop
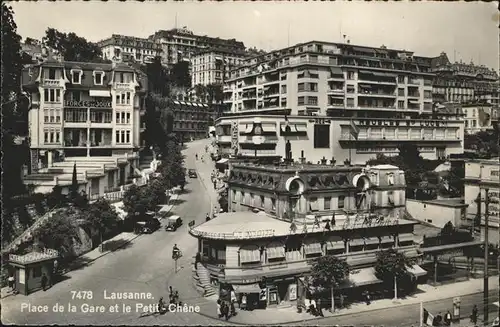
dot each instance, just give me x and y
(292, 167)
(249, 225)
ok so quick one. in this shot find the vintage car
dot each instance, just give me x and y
(148, 226)
(192, 173)
(173, 222)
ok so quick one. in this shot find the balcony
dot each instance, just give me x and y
(336, 91)
(376, 94)
(413, 81)
(124, 86)
(52, 82)
(413, 95)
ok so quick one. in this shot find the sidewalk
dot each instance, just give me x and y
(288, 315)
(109, 246)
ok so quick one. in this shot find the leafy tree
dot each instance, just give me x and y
(31, 41)
(223, 203)
(158, 78)
(58, 233)
(329, 272)
(134, 202)
(155, 194)
(215, 93)
(101, 216)
(200, 91)
(485, 143)
(392, 267)
(179, 74)
(72, 47)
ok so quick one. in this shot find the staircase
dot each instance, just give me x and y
(201, 279)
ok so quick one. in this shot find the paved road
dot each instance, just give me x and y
(144, 266)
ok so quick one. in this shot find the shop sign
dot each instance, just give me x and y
(320, 121)
(409, 123)
(239, 235)
(86, 104)
(292, 292)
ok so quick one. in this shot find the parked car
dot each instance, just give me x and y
(173, 222)
(192, 173)
(148, 226)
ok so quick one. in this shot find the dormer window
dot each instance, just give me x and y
(390, 179)
(76, 76)
(98, 77)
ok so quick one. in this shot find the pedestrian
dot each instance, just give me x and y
(219, 309)
(473, 316)
(176, 296)
(226, 311)
(11, 282)
(233, 309)
(171, 290)
(447, 318)
(243, 304)
(320, 309)
(197, 260)
(44, 282)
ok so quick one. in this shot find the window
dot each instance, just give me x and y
(341, 200)
(127, 137)
(350, 75)
(76, 76)
(52, 73)
(313, 101)
(52, 95)
(128, 98)
(313, 87)
(327, 203)
(401, 104)
(401, 79)
(273, 204)
(321, 136)
(262, 201)
(98, 78)
(401, 92)
(75, 96)
(301, 101)
(427, 94)
(313, 204)
(301, 87)
(350, 102)
(350, 89)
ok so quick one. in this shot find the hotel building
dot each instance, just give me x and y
(210, 66)
(86, 114)
(480, 117)
(304, 212)
(307, 95)
(180, 44)
(482, 175)
(464, 83)
(121, 48)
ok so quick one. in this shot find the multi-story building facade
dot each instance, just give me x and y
(305, 212)
(121, 48)
(482, 176)
(460, 82)
(180, 44)
(310, 94)
(191, 119)
(210, 66)
(480, 117)
(86, 114)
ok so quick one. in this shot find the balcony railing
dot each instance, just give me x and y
(372, 93)
(51, 82)
(414, 95)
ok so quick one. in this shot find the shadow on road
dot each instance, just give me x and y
(78, 263)
(114, 245)
(184, 191)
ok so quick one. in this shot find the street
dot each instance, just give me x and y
(143, 266)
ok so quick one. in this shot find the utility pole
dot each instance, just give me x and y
(486, 253)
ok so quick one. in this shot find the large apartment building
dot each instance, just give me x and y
(461, 82)
(210, 66)
(180, 44)
(83, 114)
(317, 92)
(480, 117)
(121, 48)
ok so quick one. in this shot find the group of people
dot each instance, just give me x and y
(314, 307)
(173, 299)
(226, 309)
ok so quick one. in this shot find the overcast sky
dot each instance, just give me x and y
(463, 30)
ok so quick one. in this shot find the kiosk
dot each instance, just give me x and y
(30, 267)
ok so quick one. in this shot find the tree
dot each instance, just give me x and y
(392, 267)
(223, 203)
(215, 93)
(155, 194)
(179, 75)
(31, 41)
(329, 272)
(158, 78)
(58, 233)
(200, 91)
(73, 192)
(72, 47)
(101, 216)
(134, 201)
(485, 143)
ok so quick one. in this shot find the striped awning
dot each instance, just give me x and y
(312, 248)
(406, 237)
(335, 245)
(275, 251)
(356, 242)
(248, 256)
(176, 102)
(372, 240)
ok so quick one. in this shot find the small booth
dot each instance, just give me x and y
(29, 269)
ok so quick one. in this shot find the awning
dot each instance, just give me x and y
(249, 129)
(312, 248)
(100, 93)
(205, 105)
(176, 102)
(406, 237)
(371, 240)
(364, 276)
(249, 288)
(386, 239)
(367, 72)
(275, 252)
(248, 256)
(335, 245)
(301, 128)
(417, 271)
(336, 71)
(182, 102)
(364, 50)
(269, 128)
(218, 58)
(223, 161)
(314, 205)
(365, 86)
(356, 242)
(380, 74)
